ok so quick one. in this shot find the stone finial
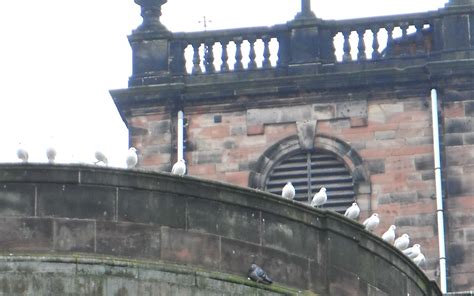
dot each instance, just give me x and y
(306, 11)
(151, 12)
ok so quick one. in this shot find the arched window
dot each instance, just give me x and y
(331, 163)
(308, 172)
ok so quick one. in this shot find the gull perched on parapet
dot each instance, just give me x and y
(419, 259)
(353, 211)
(100, 156)
(389, 235)
(179, 168)
(22, 154)
(288, 191)
(258, 275)
(319, 198)
(132, 157)
(402, 242)
(51, 154)
(372, 222)
(413, 252)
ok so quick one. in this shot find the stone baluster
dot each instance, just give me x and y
(196, 58)
(404, 51)
(266, 52)
(404, 27)
(361, 56)
(375, 43)
(347, 46)
(420, 48)
(252, 64)
(389, 28)
(209, 56)
(224, 56)
(283, 50)
(238, 54)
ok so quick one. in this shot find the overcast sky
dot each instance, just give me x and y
(59, 59)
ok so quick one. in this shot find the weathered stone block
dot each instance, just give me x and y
(376, 166)
(283, 267)
(459, 125)
(190, 247)
(285, 235)
(226, 220)
(74, 235)
(17, 200)
(453, 139)
(323, 111)
(237, 256)
(26, 234)
(424, 162)
(128, 239)
(469, 108)
(152, 207)
(74, 201)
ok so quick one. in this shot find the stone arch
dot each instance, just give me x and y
(293, 144)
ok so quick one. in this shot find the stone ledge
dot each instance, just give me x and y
(91, 270)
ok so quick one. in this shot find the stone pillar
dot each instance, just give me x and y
(454, 30)
(150, 44)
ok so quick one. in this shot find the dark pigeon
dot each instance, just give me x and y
(258, 275)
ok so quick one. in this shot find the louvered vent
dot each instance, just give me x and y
(317, 168)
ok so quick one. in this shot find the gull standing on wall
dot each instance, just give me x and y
(179, 168)
(413, 252)
(389, 235)
(319, 198)
(402, 242)
(353, 211)
(372, 222)
(288, 191)
(22, 154)
(51, 154)
(100, 156)
(419, 259)
(132, 157)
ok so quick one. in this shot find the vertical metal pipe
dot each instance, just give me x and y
(180, 135)
(439, 192)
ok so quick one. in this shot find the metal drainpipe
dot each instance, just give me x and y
(180, 135)
(439, 192)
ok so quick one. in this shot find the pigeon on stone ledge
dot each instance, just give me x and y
(372, 222)
(389, 235)
(319, 198)
(132, 157)
(353, 211)
(258, 275)
(179, 168)
(288, 191)
(402, 242)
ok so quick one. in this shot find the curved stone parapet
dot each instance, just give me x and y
(64, 210)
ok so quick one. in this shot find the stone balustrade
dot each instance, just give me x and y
(305, 45)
